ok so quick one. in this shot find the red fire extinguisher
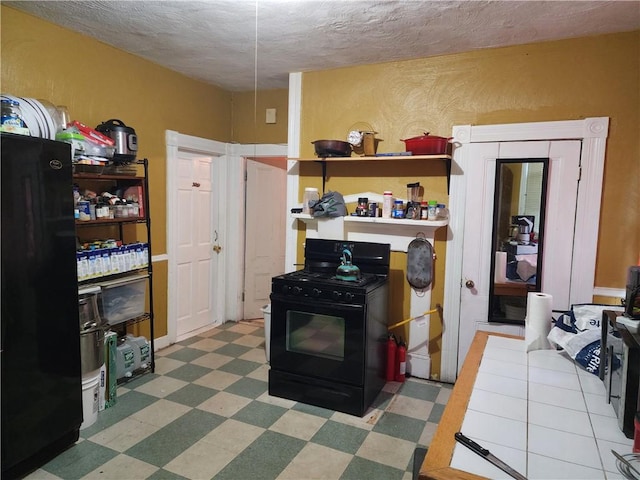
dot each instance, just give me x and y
(391, 358)
(401, 363)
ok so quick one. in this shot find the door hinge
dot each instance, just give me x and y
(245, 175)
(243, 296)
(579, 173)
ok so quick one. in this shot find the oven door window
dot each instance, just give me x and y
(317, 335)
(320, 339)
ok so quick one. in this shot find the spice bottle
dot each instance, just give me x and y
(424, 210)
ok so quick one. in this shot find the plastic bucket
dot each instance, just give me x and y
(266, 314)
(90, 400)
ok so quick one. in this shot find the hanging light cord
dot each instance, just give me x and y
(255, 80)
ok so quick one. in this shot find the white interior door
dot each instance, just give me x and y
(562, 191)
(266, 190)
(207, 214)
(195, 259)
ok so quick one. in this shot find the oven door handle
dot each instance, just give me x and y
(307, 303)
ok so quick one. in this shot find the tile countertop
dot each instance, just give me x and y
(538, 412)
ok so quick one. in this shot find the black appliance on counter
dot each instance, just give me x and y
(328, 336)
(620, 347)
(40, 355)
(632, 296)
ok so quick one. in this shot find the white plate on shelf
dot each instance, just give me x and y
(34, 113)
(48, 111)
(32, 117)
(46, 124)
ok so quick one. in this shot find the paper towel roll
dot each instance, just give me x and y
(538, 321)
(500, 274)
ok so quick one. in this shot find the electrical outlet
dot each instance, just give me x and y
(271, 115)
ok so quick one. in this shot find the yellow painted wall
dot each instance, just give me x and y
(98, 82)
(562, 80)
(249, 115)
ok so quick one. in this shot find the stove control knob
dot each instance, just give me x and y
(349, 296)
(285, 289)
(336, 295)
(297, 290)
(316, 292)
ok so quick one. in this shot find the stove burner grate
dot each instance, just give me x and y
(306, 276)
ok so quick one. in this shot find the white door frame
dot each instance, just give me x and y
(228, 183)
(593, 134)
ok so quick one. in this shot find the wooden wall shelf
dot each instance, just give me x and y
(324, 160)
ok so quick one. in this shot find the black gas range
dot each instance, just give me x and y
(328, 335)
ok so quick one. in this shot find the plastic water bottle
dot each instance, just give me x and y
(141, 350)
(387, 204)
(125, 360)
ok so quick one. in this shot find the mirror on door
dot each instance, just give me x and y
(517, 238)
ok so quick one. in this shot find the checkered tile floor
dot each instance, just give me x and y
(205, 413)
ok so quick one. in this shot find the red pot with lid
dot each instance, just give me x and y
(427, 145)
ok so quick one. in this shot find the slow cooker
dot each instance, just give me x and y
(125, 138)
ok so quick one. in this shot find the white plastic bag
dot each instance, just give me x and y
(578, 332)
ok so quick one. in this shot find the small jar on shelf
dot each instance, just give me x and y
(398, 209)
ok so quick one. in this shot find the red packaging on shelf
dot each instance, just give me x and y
(93, 135)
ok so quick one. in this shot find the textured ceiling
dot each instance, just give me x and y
(241, 45)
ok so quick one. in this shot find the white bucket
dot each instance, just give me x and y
(90, 400)
(266, 313)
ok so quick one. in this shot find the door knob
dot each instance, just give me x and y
(469, 284)
(217, 248)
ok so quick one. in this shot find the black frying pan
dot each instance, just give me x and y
(332, 148)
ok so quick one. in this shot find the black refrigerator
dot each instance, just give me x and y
(40, 339)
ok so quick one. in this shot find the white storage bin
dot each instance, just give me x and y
(123, 299)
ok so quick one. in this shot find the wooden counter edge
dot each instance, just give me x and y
(449, 473)
(436, 463)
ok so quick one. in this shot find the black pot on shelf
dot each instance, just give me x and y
(332, 148)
